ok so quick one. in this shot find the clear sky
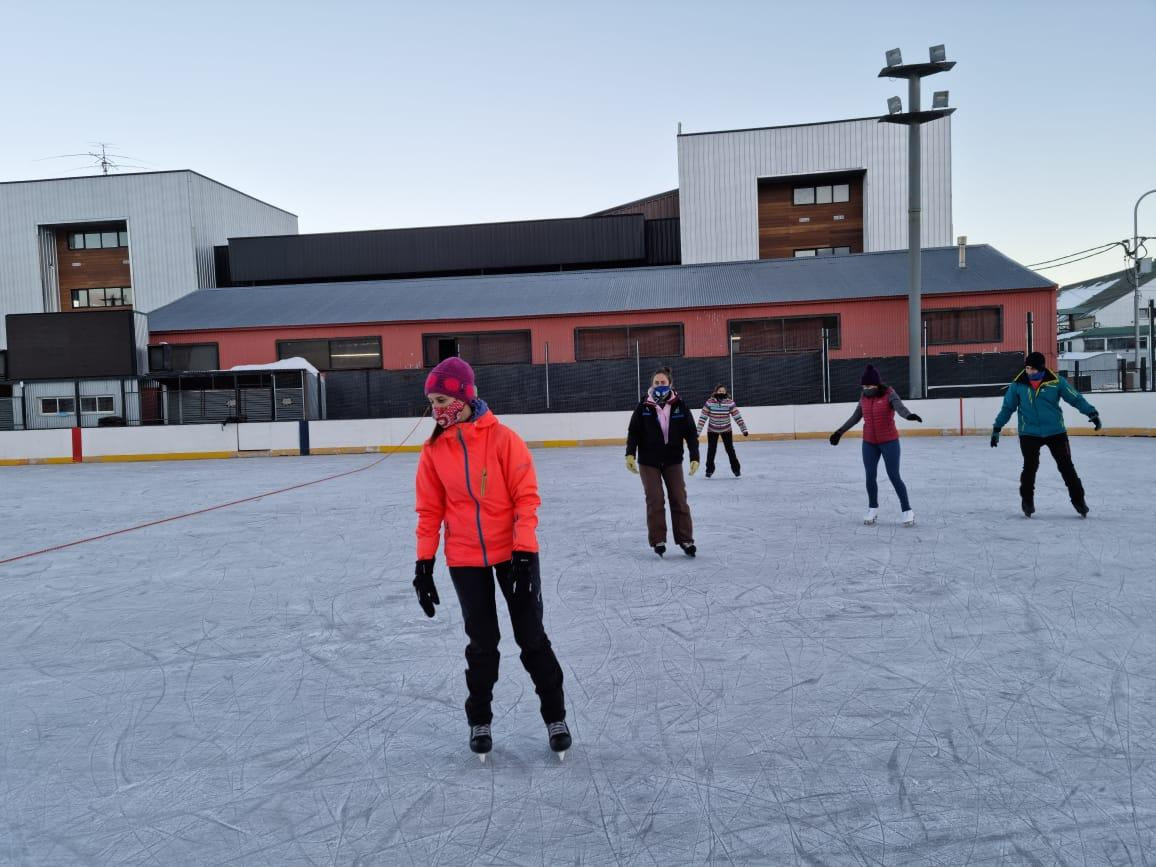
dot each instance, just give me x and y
(361, 115)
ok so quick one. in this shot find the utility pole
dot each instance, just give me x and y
(913, 119)
(1136, 275)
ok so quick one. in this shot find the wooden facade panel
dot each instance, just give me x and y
(89, 269)
(780, 231)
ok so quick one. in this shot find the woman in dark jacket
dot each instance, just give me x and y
(877, 408)
(658, 428)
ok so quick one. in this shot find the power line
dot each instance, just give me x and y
(1103, 248)
(1073, 261)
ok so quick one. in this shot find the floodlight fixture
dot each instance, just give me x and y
(938, 53)
(894, 105)
(939, 99)
(894, 57)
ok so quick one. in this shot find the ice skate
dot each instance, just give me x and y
(481, 741)
(870, 516)
(909, 518)
(1081, 507)
(560, 739)
(688, 548)
(709, 473)
(1028, 505)
(660, 550)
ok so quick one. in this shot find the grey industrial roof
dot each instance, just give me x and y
(1088, 296)
(729, 284)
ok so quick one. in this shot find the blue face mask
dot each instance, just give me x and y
(662, 391)
(1037, 376)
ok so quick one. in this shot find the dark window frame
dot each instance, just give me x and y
(329, 341)
(188, 347)
(997, 308)
(681, 326)
(121, 239)
(813, 252)
(835, 339)
(814, 188)
(457, 336)
(88, 305)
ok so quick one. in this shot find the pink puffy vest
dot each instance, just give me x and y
(878, 419)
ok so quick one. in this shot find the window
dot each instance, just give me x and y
(653, 341)
(1093, 344)
(102, 239)
(822, 195)
(338, 353)
(788, 334)
(1127, 342)
(108, 296)
(967, 325)
(57, 405)
(482, 347)
(804, 195)
(184, 356)
(101, 404)
(822, 251)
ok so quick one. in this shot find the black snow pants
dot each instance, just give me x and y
(728, 439)
(475, 588)
(1061, 451)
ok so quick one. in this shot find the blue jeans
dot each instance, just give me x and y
(890, 454)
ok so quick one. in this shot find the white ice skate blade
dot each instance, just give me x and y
(482, 758)
(561, 756)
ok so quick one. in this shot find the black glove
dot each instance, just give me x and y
(914, 417)
(746, 434)
(526, 574)
(1094, 418)
(427, 594)
(994, 437)
(834, 438)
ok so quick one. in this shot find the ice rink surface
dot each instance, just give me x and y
(257, 685)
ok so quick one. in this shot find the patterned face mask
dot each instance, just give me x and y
(661, 392)
(448, 414)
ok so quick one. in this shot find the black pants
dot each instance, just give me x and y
(1061, 451)
(475, 588)
(728, 439)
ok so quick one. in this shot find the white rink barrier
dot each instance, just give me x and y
(1123, 415)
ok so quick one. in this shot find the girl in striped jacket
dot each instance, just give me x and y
(716, 417)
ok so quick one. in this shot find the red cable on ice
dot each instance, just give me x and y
(109, 535)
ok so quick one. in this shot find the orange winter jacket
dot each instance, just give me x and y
(477, 478)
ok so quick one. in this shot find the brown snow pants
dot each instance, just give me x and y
(653, 479)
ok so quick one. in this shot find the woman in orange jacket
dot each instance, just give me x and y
(475, 476)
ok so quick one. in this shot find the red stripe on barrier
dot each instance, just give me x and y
(109, 535)
(77, 446)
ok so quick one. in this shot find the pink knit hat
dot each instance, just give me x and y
(453, 378)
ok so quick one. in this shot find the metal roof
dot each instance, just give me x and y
(729, 284)
(1097, 293)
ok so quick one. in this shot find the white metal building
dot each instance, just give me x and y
(720, 176)
(159, 228)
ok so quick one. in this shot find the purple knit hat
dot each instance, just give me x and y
(871, 376)
(453, 378)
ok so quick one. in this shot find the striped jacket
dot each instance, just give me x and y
(719, 413)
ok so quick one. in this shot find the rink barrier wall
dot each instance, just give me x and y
(1123, 414)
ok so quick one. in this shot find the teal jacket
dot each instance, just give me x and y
(1039, 411)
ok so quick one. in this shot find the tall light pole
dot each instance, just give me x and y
(913, 119)
(734, 339)
(1136, 276)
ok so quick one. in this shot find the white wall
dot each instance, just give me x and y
(1123, 414)
(718, 176)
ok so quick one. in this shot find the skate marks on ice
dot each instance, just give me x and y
(259, 685)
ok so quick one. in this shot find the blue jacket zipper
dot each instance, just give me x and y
(477, 503)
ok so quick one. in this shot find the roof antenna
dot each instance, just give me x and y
(962, 242)
(101, 159)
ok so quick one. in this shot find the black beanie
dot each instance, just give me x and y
(1036, 360)
(871, 376)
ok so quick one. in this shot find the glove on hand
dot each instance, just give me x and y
(527, 580)
(914, 417)
(1095, 420)
(693, 467)
(423, 583)
(994, 437)
(834, 438)
(632, 464)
